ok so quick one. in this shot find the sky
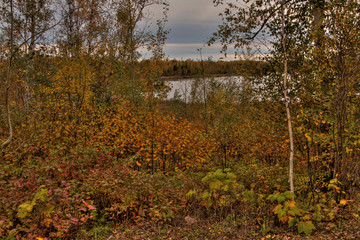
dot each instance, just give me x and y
(191, 24)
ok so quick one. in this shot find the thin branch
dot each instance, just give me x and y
(39, 34)
(268, 18)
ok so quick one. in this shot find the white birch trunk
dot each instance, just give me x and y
(287, 101)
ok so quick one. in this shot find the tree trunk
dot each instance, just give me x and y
(7, 87)
(287, 100)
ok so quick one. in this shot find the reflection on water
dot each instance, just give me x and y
(182, 88)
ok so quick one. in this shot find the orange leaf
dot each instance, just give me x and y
(343, 202)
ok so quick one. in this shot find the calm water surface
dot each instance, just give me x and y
(183, 87)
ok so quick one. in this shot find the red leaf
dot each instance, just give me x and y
(88, 205)
(91, 207)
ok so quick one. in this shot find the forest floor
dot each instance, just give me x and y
(345, 228)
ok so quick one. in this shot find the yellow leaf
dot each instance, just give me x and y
(343, 202)
(292, 204)
(308, 137)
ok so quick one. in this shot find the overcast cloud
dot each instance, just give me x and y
(192, 23)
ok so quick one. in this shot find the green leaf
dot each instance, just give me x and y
(249, 196)
(273, 197)
(334, 180)
(306, 217)
(332, 186)
(292, 221)
(225, 188)
(207, 177)
(25, 208)
(216, 185)
(281, 198)
(41, 194)
(289, 195)
(317, 213)
(231, 176)
(219, 174)
(306, 227)
(278, 208)
(281, 213)
(191, 194)
(205, 195)
(295, 211)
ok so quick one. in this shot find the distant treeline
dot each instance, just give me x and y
(191, 68)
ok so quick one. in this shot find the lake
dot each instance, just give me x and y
(182, 87)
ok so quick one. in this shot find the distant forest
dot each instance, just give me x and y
(190, 68)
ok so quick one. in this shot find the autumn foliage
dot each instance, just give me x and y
(97, 151)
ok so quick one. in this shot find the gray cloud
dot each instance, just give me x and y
(191, 24)
(191, 32)
(193, 10)
(192, 21)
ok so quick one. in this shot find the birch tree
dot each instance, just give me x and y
(243, 26)
(312, 49)
(286, 97)
(7, 142)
